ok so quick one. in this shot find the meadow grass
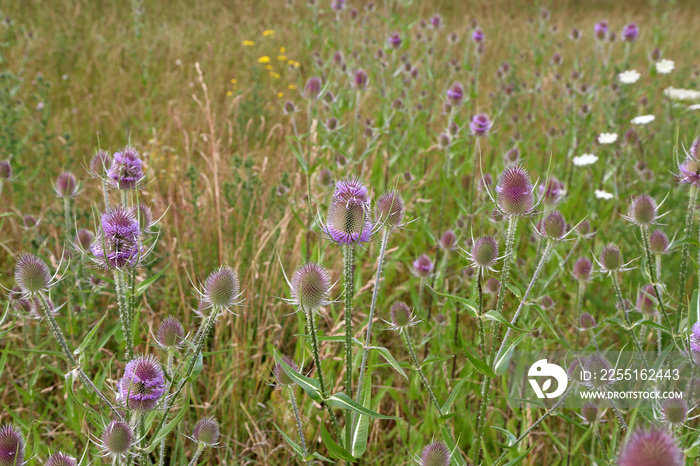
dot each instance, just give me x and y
(226, 172)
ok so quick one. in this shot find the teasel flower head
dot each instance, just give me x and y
(435, 454)
(455, 95)
(5, 170)
(587, 321)
(610, 259)
(554, 226)
(401, 317)
(310, 287)
(117, 439)
(144, 216)
(514, 192)
(601, 30)
(283, 380)
(658, 242)
(221, 290)
(394, 40)
(590, 412)
(143, 384)
(118, 244)
(646, 301)
(553, 192)
(325, 177)
(643, 211)
(654, 447)
(484, 253)
(12, 447)
(360, 80)
(448, 241)
(206, 432)
(583, 267)
(171, 334)
(390, 210)
(598, 365)
(630, 32)
(492, 286)
(478, 36)
(480, 124)
(84, 239)
(348, 220)
(694, 341)
(584, 229)
(674, 411)
(66, 185)
(32, 274)
(126, 171)
(312, 89)
(32, 308)
(436, 21)
(29, 222)
(61, 459)
(423, 266)
(690, 169)
(100, 163)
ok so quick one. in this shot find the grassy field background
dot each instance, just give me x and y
(175, 80)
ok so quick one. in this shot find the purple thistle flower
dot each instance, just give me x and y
(84, 239)
(360, 80)
(5, 170)
(283, 379)
(690, 170)
(553, 226)
(658, 242)
(484, 253)
(646, 300)
(394, 40)
(348, 220)
(553, 192)
(514, 191)
(99, 163)
(423, 266)
(117, 439)
(674, 410)
(582, 269)
(694, 150)
(66, 185)
(118, 245)
(480, 124)
(610, 258)
(694, 341)
(630, 32)
(390, 209)
(312, 90)
(338, 5)
(652, 447)
(206, 432)
(601, 30)
(310, 286)
(436, 21)
(11, 446)
(478, 36)
(401, 316)
(61, 459)
(126, 171)
(32, 274)
(455, 94)
(170, 333)
(143, 384)
(435, 454)
(448, 241)
(222, 288)
(587, 321)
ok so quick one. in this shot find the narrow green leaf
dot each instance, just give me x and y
(502, 363)
(309, 385)
(495, 315)
(143, 286)
(519, 458)
(167, 428)
(295, 446)
(360, 431)
(447, 438)
(89, 336)
(335, 450)
(341, 400)
(477, 363)
(390, 359)
(451, 399)
(471, 305)
(197, 369)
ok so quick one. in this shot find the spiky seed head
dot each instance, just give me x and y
(360, 80)
(61, 459)
(583, 268)
(513, 155)
(448, 241)
(144, 216)
(546, 302)
(694, 341)
(493, 285)
(589, 411)
(485, 252)
(84, 239)
(312, 90)
(643, 210)
(222, 287)
(325, 177)
(394, 40)
(99, 163)
(29, 221)
(554, 226)
(310, 286)
(514, 191)
(170, 333)
(143, 384)
(444, 140)
(587, 321)
(66, 185)
(551, 192)
(390, 209)
(480, 124)
(118, 244)
(289, 107)
(282, 378)
(348, 220)
(690, 169)
(206, 431)
(32, 274)
(658, 242)
(598, 365)
(674, 410)
(126, 171)
(435, 454)
(5, 170)
(646, 301)
(400, 315)
(455, 94)
(584, 228)
(610, 258)
(117, 438)
(654, 447)
(423, 266)
(11, 446)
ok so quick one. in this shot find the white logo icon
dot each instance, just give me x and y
(543, 369)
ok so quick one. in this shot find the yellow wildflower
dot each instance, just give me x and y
(297, 64)
(280, 94)
(268, 67)
(292, 86)
(282, 57)
(264, 59)
(248, 43)
(234, 81)
(268, 32)
(229, 93)
(282, 50)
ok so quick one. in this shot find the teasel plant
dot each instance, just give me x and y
(689, 173)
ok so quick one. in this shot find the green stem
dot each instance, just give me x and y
(686, 247)
(197, 454)
(293, 400)
(654, 277)
(623, 306)
(66, 219)
(348, 275)
(124, 314)
(105, 193)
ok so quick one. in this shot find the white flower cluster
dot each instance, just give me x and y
(681, 94)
